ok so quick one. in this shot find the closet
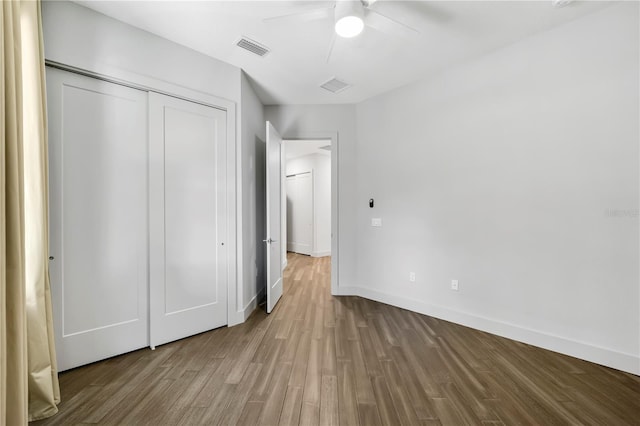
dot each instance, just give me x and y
(137, 217)
(300, 213)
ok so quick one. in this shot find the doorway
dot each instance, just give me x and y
(308, 190)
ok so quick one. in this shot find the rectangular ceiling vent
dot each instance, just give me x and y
(335, 86)
(252, 46)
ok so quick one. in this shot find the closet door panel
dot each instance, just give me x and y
(188, 218)
(98, 216)
(190, 208)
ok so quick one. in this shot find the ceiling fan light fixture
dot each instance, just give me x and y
(349, 16)
(349, 26)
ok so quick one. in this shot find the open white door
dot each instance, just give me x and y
(274, 233)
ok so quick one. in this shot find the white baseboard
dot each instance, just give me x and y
(235, 318)
(299, 248)
(252, 305)
(603, 356)
(320, 253)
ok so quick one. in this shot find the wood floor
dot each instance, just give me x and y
(329, 360)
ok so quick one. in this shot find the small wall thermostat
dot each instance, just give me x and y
(371, 202)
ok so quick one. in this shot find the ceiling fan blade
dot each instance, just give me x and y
(385, 24)
(427, 12)
(333, 43)
(303, 16)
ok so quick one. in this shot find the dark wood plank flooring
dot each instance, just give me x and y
(326, 360)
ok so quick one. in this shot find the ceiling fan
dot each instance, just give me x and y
(350, 18)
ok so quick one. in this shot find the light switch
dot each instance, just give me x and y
(376, 221)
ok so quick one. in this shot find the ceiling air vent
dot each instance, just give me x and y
(252, 46)
(561, 3)
(335, 86)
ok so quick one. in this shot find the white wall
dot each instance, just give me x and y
(252, 267)
(78, 36)
(503, 173)
(321, 166)
(320, 122)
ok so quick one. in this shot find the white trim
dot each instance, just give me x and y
(588, 352)
(252, 305)
(335, 225)
(320, 253)
(234, 315)
(236, 311)
(145, 83)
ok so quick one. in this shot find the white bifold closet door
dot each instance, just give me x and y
(188, 218)
(98, 217)
(138, 217)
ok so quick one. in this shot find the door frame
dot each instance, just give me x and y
(335, 176)
(151, 84)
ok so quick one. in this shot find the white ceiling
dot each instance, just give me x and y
(374, 62)
(299, 148)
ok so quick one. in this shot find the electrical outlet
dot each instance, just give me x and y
(454, 285)
(376, 221)
(412, 277)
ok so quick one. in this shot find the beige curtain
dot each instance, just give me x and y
(28, 375)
